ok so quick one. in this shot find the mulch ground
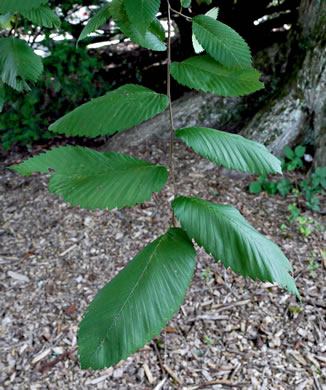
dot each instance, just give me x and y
(229, 333)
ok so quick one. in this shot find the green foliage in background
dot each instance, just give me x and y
(136, 304)
(63, 84)
(310, 188)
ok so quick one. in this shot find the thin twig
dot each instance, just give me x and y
(16, 23)
(159, 357)
(172, 374)
(171, 163)
(188, 18)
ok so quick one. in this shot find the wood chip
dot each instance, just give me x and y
(41, 356)
(68, 250)
(298, 357)
(17, 276)
(148, 374)
(172, 374)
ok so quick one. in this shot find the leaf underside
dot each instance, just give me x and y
(230, 150)
(221, 42)
(204, 73)
(18, 63)
(224, 233)
(116, 111)
(95, 22)
(42, 16)
(93, 180)
(141, 12)
(20, 5)
(131, 309)
(150, 41)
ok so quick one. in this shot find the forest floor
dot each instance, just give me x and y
(229, 333)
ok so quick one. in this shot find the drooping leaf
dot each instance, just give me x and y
(117, 110)
(230, 150)
(96, 180)
(20, 5)
(18, 63)
(212, 13)
(2, 96)
(141, 12)
(133, 308)
(149, 40)
(221, 42)
(185, 3)
(204, 73)
(157, 29)
(43, 16)
(96, 21)
(224, 233)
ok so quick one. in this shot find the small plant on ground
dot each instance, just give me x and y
(310, 187)
(312, 264)
(207, 274)
(135, 305)
(292, 158)
(304, 225)
(294, 212)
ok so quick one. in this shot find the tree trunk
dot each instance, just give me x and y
(193, 109)
(297, 115)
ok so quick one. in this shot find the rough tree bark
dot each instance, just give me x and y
(297, 114)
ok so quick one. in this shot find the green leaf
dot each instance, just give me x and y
(149, 40)
(288, 153)
(224, 233)
(141, 12)
(185, 3)
(270, 187)
(204, 73)
(20, 5)
(133, 308)
(284, 186)
(96, 21)
(255, 187)
(118, 110)
(43, 16)
(212, 13)
(2, 96)
(299, 151)
(157, 29)
(18, 63)
(96, 180)
(230, 150)
(221, 42)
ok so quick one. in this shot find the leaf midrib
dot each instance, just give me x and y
(221, 42)
(131, 293)
(109, 170)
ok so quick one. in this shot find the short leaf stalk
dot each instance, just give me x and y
(137, 303)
